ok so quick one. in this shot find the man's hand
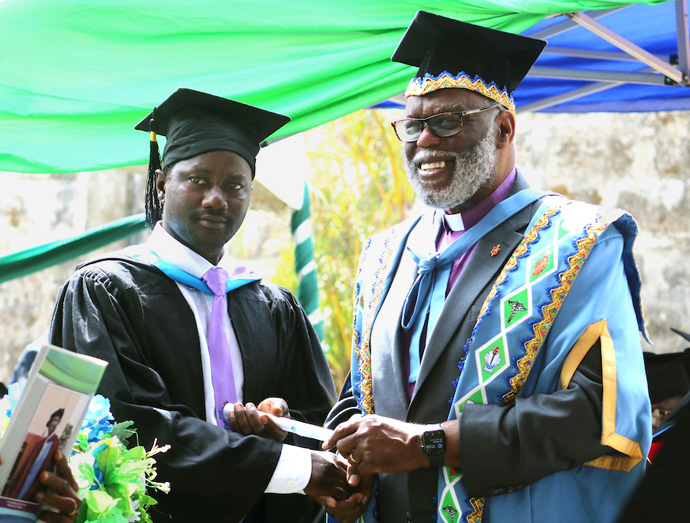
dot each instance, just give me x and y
(375, 444)
(328, 482)
(350, 509)
(247, 419)
(64, 493)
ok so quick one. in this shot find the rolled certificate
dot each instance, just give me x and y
(300, 428)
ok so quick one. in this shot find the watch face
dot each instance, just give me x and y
(434, 442)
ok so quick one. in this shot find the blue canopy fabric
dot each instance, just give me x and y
(580, 71)
(650, 27)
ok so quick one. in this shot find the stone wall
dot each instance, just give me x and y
(36, 209)
(640, 162)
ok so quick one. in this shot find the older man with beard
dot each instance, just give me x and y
(497, 373)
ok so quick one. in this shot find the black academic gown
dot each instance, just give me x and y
(663, 494)
(134, 317)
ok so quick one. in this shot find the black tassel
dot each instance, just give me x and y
(153, 207)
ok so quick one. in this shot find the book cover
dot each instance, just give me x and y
(48, 417)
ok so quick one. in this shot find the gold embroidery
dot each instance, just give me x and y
(520, 251)
(477, 510)
(478, 503)
(549, 311)
(363, 345)
(421, 86)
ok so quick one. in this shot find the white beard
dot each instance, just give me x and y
(474, 169)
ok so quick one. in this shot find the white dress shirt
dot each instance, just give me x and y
(293, 471)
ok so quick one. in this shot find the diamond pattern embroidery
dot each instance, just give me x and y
(492, 359)
(515, 307)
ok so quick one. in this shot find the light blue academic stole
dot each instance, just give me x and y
(143, 253)
(512, 326)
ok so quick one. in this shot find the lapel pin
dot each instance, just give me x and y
(495, 250)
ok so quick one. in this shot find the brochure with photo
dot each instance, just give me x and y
(48, 417)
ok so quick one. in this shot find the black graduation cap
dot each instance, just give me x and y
(194, 123)
(455, 54)
(666, 376)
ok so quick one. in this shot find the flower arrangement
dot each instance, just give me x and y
(113, 480)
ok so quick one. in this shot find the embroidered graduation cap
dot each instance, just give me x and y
(666, 375)
(194, 123)
(452, 54)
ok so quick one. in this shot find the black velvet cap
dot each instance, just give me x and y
(195, 122)
(666, 375)
(437, 44)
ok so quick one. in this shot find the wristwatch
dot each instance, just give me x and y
(434, 445)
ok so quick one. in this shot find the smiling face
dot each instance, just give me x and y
(456, 172)
(205, 199)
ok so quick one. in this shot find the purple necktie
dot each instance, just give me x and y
(218, 346)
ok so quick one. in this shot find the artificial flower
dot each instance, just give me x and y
(113, 480)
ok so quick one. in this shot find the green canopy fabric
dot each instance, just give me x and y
(78, 74)
(31, 260)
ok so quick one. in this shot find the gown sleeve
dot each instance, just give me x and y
(504, 448)
(104, 313)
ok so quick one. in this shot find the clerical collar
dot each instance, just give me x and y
(470, 217)
(454, 222)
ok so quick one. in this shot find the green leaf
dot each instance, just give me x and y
(107, 458)
(123, 430)
(135, 453)
(98, 502)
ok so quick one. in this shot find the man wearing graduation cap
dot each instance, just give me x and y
(496, 357)
(187, 362)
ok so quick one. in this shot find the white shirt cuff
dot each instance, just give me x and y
(293, 472)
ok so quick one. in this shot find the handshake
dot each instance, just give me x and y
(342, 482)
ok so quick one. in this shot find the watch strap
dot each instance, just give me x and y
(434, 445)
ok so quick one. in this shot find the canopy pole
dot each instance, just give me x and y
(564, 26)
(566, 97)
(618, 56)
(305, 266)
(682, 32)
(595, 27)
(597, 75)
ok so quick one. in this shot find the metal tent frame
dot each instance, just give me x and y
(654, 70)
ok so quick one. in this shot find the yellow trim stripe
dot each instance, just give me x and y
(631, 449)
(579, 351)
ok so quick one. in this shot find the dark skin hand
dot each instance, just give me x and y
(350, 509)
(328, 483)
(247, 419)
(375, 444)
(62, 494)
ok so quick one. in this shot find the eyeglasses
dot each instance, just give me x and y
(442, 125)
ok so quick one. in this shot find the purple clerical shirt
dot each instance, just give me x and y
(454, 226)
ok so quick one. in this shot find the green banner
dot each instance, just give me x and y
(31, 260)
(77, 75)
